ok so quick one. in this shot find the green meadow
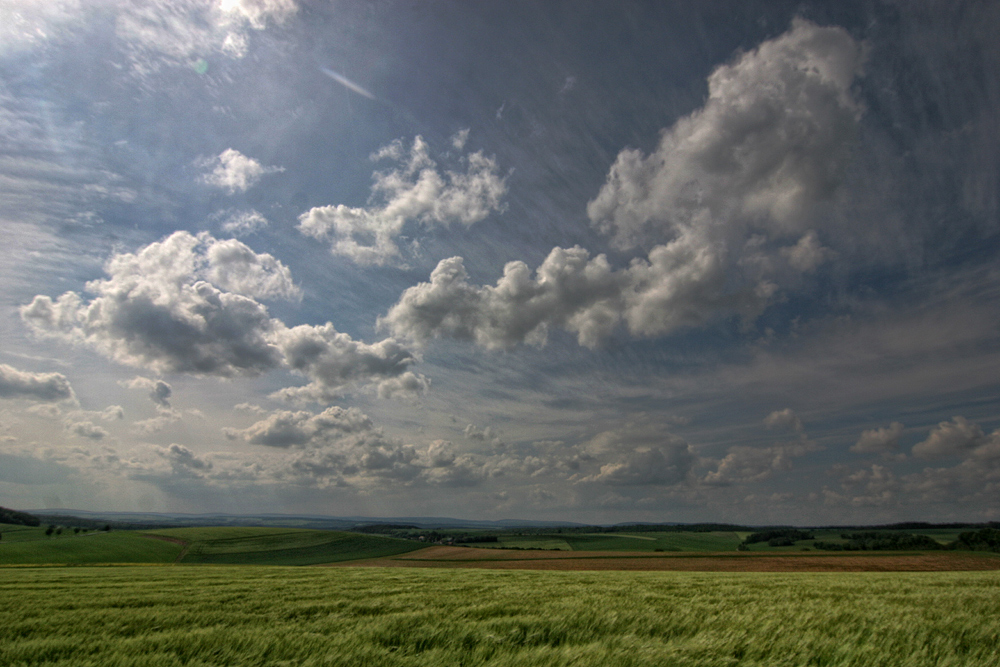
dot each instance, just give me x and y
(244, 615)
(219, 545)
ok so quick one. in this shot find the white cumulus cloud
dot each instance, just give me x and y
(879, 440)
(183, 304)
(233, 171)
(417, 190)
(726, 199)
(334, 361)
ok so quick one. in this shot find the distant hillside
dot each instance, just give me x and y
(18, 518)
(220, 545)
(314, 521)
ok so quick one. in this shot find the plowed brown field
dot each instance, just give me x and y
(451, 557)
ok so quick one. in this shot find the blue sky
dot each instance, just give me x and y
(580, 261)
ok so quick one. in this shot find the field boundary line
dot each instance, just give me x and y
(173, 540)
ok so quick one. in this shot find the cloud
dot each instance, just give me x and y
(188, 304)
(416, 191)
(744, 464)
(47, 387)
(879, 440)
(568, 289)
(334, 361)
(342, 447)
(675, 288)
(182, 459)
(233, 171)
(409, 385)
(258, 12)
(955, 438)
(807, 254)
(868, 487)
(244, 223)
(166, 416)
(640, 454)
(976, 477)
(159, 391)
(86, 429)
(183, 304)
(112, 413)
(784, 419)
(176, 32)
(772, 139)
(662, 465)
(301, 429)
(727, 189)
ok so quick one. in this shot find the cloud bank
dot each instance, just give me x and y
(188, 304)
(726, 197)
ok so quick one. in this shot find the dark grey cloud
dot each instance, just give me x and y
(159, 310)
(48, 387)
(188, 304)
(343, 447)
(334, 361)
(159, 391)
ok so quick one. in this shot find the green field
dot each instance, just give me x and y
(252, 546)
(282, 546)
(225, 615)
(92, 547)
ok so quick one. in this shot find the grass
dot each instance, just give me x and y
(284, 546)
(224, 545)
(92, 547)
(218, 615)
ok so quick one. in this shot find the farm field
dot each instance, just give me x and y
(86, 548)
(224, 545)
(503, 559)
(226, 615)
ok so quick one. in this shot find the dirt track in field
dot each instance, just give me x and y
(497, 559)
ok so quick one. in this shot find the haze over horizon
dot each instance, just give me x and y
(592, 262)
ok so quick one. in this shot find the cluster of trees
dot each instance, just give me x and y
(18, 518)
(881, 541)
(58, 530)
(385, 528)
(987, 539)
(779, 537)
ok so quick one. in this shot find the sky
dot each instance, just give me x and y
(579, 261)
